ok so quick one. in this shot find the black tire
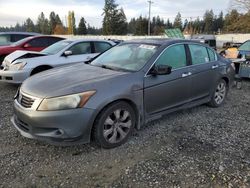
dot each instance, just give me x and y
(114, 125)
(219, 94)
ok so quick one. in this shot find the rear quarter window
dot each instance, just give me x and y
(212, 55)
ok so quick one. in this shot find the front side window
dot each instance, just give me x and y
(80, 48)
(199, 54)
(127, 57)
(57, 47)
(101, 46)
(174, 56)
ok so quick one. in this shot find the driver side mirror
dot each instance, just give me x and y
(27, 45)
(161, 70)
(67, 53)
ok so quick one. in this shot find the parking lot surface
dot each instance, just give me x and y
(197, 147)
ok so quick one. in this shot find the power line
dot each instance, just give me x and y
(149, 15)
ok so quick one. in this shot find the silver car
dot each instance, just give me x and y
(122, 89)
(19, 65)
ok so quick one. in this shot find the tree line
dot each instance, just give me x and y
(115, 23)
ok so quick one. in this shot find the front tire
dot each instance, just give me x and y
(114, 125)
(219, 94)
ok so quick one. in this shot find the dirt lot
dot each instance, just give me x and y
(198, 147)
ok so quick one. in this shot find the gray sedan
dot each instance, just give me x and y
(124, 88)
(21, 64)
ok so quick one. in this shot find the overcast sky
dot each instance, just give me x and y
(13, 11)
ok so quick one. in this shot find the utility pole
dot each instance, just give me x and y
(149, 16)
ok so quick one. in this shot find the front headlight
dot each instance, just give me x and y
(17, 66)
(66, 102)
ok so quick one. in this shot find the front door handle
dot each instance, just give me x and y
(215, 66)
(186, 74)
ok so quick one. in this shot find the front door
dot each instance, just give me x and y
(163, 92)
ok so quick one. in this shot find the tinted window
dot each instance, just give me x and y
(18, 37)
(199, 54)
(101, 46)
(174, 56)
(212, 55)
(53, 40)
(81, 48)
(39, 42)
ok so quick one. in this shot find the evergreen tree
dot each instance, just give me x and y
(114, 21)
(208, 21)
(82, 29)
(178, 21)
(42, 25)
(29, 25)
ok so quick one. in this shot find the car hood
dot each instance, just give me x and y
(67, 80)
(21, 54)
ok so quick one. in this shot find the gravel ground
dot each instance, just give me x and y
(198, 147)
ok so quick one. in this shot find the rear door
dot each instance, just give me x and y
(163, 92)
(204, 71)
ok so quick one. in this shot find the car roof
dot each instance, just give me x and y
(89, 40)
(20, 33)
(160, 41)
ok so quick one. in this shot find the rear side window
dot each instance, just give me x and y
(81, 48)
(174, 56)
(39, 42)
(199, 54)
(212, 55)
(101, 46)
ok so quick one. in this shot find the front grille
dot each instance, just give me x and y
(26, 101)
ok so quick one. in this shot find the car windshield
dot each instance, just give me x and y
(57, 47)
(245, 46)
(126, 57)
(21, 41)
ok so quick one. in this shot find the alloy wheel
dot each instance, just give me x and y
(117, 126)
(220, 93)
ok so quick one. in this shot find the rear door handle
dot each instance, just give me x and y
(215, 66)
(186, 74)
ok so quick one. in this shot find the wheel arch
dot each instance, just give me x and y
(41, 68)
(128, 101)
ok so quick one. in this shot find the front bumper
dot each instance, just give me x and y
(64, 127)
(15, 77)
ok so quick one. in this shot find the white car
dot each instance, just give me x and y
(19, 65)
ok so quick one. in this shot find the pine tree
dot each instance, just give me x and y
(114, 21)
(82, 29)
(178, 21)
(29, 25)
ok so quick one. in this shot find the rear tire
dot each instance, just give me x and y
(114, 125)
(219, 94)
